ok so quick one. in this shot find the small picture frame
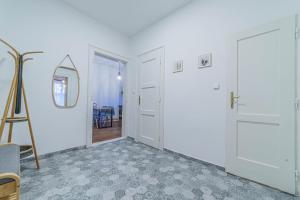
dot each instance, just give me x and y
(178, 66)
(205, 60)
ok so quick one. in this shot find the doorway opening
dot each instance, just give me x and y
(108, 98)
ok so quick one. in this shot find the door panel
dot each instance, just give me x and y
(258, 73)
(149, 100)
(258, 134)
(261, 123)
(148, 103)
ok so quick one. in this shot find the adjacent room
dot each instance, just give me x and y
(149, 100)
(108, 99)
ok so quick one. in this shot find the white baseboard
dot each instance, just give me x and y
(108, 141)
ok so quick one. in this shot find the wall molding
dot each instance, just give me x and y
(195, 159)
(49, 155)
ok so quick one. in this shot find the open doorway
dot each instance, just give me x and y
(107, 97)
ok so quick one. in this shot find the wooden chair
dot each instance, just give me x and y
(9, 172)
(106, 116)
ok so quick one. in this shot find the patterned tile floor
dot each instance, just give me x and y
(128, 170)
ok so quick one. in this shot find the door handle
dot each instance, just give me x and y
(139, 100)
(232, 99)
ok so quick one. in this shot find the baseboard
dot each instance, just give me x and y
(195, 159)
(108, 141)
(47, 155)
(131, 138)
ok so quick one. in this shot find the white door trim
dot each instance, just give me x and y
(92, 50)
(297, 103)
(162, 95)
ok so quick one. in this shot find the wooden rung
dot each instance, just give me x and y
(25, 151)
(16, 119)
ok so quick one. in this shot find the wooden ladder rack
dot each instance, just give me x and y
(16, 119)
(11, 102)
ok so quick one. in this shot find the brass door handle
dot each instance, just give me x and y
(232, 98)
(139, 100)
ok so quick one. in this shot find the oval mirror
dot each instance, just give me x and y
(65, 87)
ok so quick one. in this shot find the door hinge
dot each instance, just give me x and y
(296, 174)
(139, 100)
(297, 103)
(297, 33)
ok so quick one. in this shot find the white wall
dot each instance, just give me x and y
(58, 30)
(194, 112)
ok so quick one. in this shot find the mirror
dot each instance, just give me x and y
(65, 87)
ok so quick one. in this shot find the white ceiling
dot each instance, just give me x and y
(127, 16)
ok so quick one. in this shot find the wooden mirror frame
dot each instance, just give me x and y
(78, 85)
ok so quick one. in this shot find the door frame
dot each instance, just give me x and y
(162, 94)
(92, 50)
(230, 87)
(297, 102)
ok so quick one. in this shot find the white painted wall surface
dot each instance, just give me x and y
(58, 30)
(194, 111)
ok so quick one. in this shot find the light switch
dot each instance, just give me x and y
(216, 86)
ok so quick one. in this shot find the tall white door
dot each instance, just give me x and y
(150, 92)
(261, 108)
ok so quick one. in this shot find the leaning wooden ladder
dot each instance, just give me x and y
(12, 99)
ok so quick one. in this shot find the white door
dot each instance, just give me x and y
(150, 92)
(261, 118)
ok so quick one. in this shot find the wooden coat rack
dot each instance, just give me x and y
(14, 100)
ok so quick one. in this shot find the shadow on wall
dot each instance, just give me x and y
(2, 60)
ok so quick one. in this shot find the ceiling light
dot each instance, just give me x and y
(119, 77)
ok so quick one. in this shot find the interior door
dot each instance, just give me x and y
(149, 115)
(261, 111)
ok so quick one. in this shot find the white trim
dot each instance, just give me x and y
(109, 54)
(162, 95)
(152, 49)
(92, 50)
(108, 141)
(162, 98)
(297, 102)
